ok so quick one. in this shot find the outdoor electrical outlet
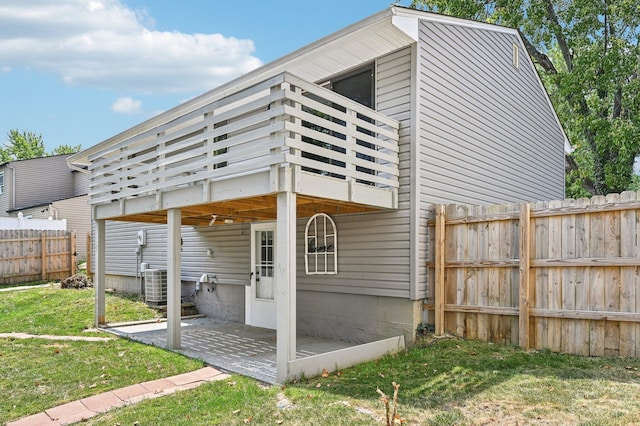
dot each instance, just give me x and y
(197, 285)
(209, 252)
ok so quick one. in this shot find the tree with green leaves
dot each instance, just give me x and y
(66, 149)
(588, 55)
(24, 145)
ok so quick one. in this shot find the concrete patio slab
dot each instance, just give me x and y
(237, 348)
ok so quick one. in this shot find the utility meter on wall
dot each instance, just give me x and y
(142, 237)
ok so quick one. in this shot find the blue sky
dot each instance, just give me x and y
(80, 71)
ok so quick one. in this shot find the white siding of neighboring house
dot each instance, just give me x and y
(77, 212)
(487, 132)
(5, 197)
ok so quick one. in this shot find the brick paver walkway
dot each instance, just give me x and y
(86, 408)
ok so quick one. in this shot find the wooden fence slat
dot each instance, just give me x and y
(541, 282)
(524, 331)
(582, 276)
(554, 288)
(628, 231)
(72, 249)
(457, 282)
(43, 254)
(596, 282)
(471, 278)
(439, 270)
(89, 251)
(568, 297)
(612, 277)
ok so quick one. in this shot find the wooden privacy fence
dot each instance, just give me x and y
(559, 275)
(30, 255)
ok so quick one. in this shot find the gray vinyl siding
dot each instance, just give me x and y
(230, 261)
(80, 183)
(42, 180)
(374, 248)
(487, 133)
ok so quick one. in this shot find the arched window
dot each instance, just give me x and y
(321, 246)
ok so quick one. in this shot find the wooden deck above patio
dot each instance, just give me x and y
(230, 157)
(248, 210)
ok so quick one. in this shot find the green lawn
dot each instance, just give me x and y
(38, 374)
(444, 381)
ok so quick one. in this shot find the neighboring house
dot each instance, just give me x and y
(434, 110)
(45, 187)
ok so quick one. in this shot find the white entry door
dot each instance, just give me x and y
(260, 298)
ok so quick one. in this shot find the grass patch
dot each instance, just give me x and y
(64, 312)
(442, 382)
(38, 374)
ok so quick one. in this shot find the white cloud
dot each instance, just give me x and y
(102, 43)
(126, 105)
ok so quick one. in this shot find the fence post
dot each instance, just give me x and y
(72, 256)
(439, 269)
(43, 254)
(525, 266)
(89, 254)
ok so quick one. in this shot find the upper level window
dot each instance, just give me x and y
(357, 86)
(1, 182)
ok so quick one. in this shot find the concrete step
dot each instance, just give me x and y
(188, 309)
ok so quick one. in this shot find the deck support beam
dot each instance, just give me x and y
(173, 278)
(99, 277)
(285, 283)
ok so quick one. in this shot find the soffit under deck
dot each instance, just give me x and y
(262, 208)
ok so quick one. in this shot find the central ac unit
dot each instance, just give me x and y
(155, 285)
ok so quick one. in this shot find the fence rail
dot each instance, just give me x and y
(31, 255)
(559, 275)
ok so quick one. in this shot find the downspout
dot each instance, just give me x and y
(13, 187)
(54, 211)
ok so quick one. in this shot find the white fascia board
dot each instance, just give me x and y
(445, 19)
(409, 25)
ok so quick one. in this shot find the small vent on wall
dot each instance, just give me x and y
(516, 56)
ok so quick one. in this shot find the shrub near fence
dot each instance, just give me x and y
(30, 255)
(559, 275)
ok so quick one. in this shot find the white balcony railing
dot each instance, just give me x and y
(283, 121)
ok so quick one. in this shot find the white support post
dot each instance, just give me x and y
(99, 275)
(285, 283)
(174, 217)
